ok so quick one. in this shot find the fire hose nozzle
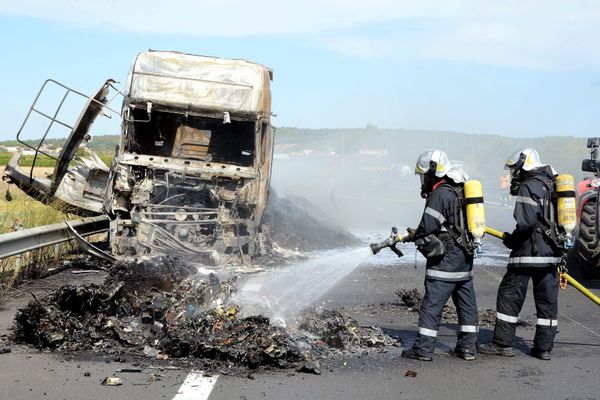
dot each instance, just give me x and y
(390, 242)
(376, 247)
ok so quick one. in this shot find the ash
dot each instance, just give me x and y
(161, 309)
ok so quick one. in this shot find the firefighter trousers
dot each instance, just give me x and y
(437, 294)
(511, 296)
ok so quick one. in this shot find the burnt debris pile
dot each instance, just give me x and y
(295, 224)
(412, 299)
(162, 309)
(340, 332)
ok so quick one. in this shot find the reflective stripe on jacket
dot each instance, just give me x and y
(455, 264)
(532, 248)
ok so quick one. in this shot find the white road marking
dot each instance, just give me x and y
(196, 386)
(580, 324)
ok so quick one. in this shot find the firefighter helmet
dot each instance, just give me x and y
(433, 162)
(525, 159)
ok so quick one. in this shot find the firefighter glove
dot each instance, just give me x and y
(510, 240)
(411, 235)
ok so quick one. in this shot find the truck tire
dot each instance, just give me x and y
(587, 248)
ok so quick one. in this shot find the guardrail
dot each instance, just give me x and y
(15, 243)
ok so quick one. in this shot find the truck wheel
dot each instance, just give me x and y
(588, 254)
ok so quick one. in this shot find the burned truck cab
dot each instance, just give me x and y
(192, 171)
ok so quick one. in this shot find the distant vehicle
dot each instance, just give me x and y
(588, 206)
(374, 160)
(192, 171)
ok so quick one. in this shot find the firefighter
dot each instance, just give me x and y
(442, 238)
(535, 255)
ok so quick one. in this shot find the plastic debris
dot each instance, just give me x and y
(153, 377)
(151, 352)
(112, 381)
(410, 374)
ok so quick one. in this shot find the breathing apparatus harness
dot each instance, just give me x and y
(458, 230)
(552, 230)
(547, 224)
(432, 245)
(465, 231)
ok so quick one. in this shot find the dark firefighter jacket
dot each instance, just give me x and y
(441, 208)
(530, 246)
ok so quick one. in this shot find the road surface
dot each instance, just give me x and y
(367, 294)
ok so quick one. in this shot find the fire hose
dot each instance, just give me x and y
(570, 279)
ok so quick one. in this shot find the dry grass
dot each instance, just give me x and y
(23, 212)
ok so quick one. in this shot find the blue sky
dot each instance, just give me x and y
(515, 68)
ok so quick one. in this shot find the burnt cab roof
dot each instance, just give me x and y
(192, 82)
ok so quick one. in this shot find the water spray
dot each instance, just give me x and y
(283, 294)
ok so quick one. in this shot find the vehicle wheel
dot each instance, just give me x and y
(587, 248)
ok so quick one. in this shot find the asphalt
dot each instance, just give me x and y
(367, 294)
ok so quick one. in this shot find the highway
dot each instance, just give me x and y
(368, 295)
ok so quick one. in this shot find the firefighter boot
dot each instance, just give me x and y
(497, 350)
(541, 354)
(465, 354)
(412, 354)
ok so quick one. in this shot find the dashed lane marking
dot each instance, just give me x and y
(196, 386)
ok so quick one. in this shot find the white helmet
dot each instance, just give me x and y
(434, 162)
(526, 159)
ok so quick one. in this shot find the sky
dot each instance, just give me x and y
(522, 68)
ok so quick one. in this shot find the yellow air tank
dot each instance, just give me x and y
(475, 210)
(566, 208)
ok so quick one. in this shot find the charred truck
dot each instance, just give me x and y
(192, 170)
